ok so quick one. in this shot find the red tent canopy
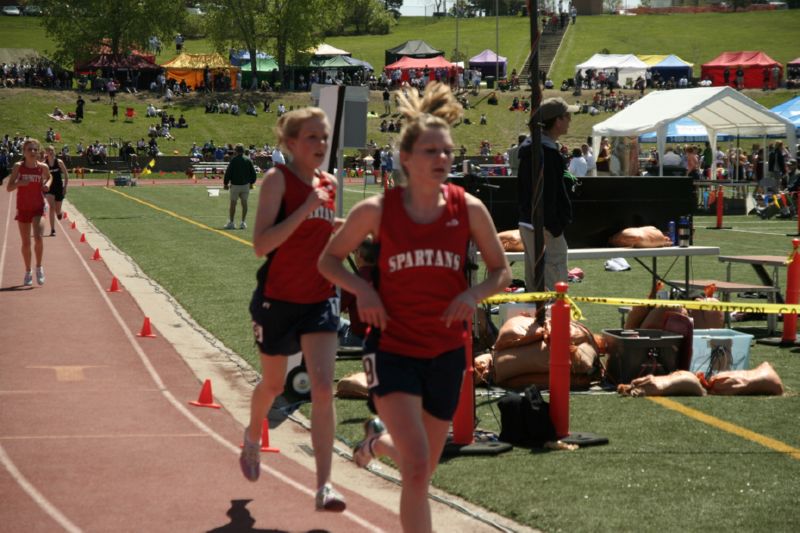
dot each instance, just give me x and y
(752, 63)
(407, 63)
(794, 62)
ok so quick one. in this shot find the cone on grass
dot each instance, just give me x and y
(114, 285)
(83, 237)
(206, 398)
(146, 331)
(74, 226)
(265, 447)
(96, 256)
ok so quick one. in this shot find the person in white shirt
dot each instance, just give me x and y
(577, 165)
(671, 158)
(588, 155)
(277, 157)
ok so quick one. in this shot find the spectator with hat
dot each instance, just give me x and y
(554, 116)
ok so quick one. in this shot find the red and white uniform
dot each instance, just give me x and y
(30, 198)
(292, 274)
(421, 268)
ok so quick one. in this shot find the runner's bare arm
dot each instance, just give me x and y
(363, 220)
(12, 179)
(267, 235)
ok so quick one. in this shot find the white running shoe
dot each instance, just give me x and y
(230, 225)
(250, 459)
(28, 281)
(329, 499)
(243, 225)
(40, 275)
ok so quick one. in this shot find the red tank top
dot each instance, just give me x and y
(29, 192)
(421, 268)
(291, 270)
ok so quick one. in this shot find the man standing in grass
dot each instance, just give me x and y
(239, 177)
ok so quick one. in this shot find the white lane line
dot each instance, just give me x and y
(21, 480)
(5, 238)
(35, 495)
(184, 410)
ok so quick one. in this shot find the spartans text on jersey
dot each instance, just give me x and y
(424, 258)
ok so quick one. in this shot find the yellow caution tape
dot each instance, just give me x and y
(776, 309)
(536, 297)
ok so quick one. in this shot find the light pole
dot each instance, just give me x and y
(496, 41)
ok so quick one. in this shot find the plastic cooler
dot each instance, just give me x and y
(714, 350)
(633, 353)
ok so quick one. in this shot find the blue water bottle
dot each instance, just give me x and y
(672, 232)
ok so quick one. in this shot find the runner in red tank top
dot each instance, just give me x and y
(422, 300)
(293, 307)
(31, 179)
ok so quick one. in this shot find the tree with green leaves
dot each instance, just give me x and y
(367, 17)
(285, 28)
(80, 28)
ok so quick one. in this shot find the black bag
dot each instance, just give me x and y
(525, 419)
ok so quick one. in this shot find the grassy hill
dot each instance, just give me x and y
(25, 111)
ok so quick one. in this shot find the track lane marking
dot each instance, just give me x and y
(767, 442)
(188, 220)
(178, 404)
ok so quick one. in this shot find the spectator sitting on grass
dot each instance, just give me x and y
(182, 122)
(165, 133)
(194, 152)
(151, 111)
(251, 109)
(234, 108)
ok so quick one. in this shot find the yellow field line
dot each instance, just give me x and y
(181, 217)
(739, 431)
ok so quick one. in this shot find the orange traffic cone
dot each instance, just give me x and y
(83, 237)
(96, 256)
(64, 215)
(74, 226)
(206, 399)
(146, 331)
(114, 285)
(265, 447)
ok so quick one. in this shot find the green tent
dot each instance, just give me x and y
(263, 67)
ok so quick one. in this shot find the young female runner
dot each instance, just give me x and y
(58, 187)
(421, 302)
(31, 179)
(293, 307)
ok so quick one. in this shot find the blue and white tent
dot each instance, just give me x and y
(790, 110)
(684, 130)
(673, 67)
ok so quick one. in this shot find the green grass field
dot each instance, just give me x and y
(662, 470)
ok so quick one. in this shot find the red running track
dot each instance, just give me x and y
(96, 433)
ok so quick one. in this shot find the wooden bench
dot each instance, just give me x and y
(726, 288)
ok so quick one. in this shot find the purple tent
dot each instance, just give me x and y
(487, 62)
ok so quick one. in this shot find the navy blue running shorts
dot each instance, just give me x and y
(437, 380)
(278, 325)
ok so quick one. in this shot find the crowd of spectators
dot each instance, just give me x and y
(37, 73)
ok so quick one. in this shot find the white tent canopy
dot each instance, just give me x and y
(628, 65)
(719, 109)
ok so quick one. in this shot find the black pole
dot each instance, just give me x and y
(536, 150)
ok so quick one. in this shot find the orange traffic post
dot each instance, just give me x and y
(720, 204)
(792, 295)
(559, 362)
(789, 336)
(464, 418)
